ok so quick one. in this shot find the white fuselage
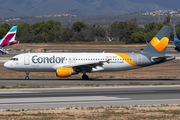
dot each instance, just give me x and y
(48, 62)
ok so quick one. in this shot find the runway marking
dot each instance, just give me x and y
(133, 92)
(156, 100)
(58, 99)
(95, 102)
(12, 92)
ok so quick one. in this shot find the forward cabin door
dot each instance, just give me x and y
(26, 60)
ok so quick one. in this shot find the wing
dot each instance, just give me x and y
(86, 66)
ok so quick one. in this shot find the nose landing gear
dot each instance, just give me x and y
(27, 75)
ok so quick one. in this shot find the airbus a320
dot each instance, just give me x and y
(68, 64)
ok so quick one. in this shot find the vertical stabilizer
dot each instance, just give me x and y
(9, 37)
(175, 35)
(159, 43)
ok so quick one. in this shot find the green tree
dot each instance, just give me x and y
(167, 20)
(138, 37)
(38, 38)
(46, 27)
(65, 35)
(22, 29)
(159, 26)
(26, 38)
(57, 26)
(123, 30)
(70, 31)
(130, 28)
(44, 35)
(79, 36)
(151, 26)
(5, 26)
(50, 38)
(88, 33)
(36, 27)
(100, 32)
(149, 35)
(77, 26)
(2, 32)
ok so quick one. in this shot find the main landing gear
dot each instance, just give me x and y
(85, 77)
(177, 49)
(27, 75)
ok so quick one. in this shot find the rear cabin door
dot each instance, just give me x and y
(139, 59)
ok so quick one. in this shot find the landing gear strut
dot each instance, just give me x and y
(84, 77)
(27, 76)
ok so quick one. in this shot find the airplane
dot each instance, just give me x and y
(176, 41)
(9, 39)
(68, 64)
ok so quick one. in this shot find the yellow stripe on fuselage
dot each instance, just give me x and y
(127, 59)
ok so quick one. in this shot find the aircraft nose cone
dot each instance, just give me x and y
(6, 65)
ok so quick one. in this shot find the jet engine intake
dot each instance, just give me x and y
(64, 72)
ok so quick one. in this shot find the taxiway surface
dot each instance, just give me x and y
(79, 82)
(88, 97)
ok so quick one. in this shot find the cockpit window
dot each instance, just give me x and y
(14, 59)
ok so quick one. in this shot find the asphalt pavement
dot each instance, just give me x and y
(79, 82)
(88, 97)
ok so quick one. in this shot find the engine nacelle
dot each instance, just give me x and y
(64, 72)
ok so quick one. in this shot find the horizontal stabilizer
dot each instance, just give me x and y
(153, 59)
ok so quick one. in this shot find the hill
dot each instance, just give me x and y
(15, 8)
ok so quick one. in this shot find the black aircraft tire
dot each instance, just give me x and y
(85, 77)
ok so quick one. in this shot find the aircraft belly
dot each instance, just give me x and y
(118, 67)
(34, 68)
(42, 68)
